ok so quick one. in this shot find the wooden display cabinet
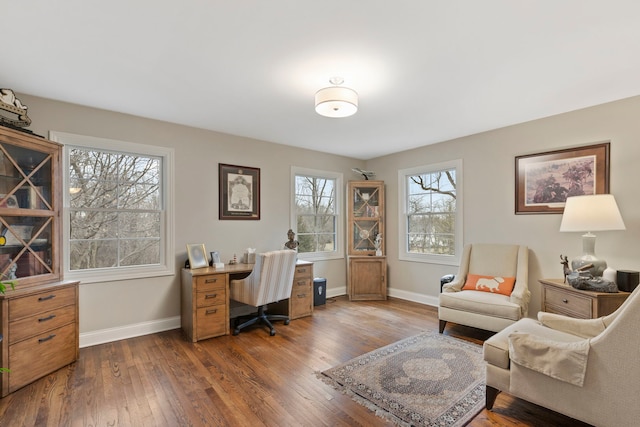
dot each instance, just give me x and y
(39, 318)
(367, 264)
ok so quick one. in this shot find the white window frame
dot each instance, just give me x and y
(338, 253)
(403, 253)
(166, 267)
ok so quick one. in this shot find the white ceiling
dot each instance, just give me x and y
(426, 71)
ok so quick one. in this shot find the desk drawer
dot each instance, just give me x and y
(211, 321)
(211, 282)
(301, 303)
(560, 301)
(39, 324)
(211, 297)
(41, 302)
(302, 271)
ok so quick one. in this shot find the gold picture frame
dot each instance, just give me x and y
(197, 255)
(545, 180)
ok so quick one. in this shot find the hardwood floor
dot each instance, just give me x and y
(248, 380)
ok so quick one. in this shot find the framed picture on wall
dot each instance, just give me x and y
(239, 192)
(545, 180)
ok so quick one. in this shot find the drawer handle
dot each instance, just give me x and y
(50, 337)
(210, 296)
(52, 296)
(44, 319)
(302, 295)
(302, 282)
(210, 280)
(301, 270)
(212, 311)
(566, 301)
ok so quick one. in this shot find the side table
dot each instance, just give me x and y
(561, 298)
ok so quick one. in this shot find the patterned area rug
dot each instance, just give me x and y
(425, 380)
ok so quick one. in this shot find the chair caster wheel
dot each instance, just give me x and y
(286, 322)
(272, 332)
(236, 332)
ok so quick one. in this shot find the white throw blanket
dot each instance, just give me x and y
(564, 361)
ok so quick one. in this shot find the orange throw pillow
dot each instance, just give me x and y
(496, 285)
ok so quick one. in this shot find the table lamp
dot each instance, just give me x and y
(598, 212)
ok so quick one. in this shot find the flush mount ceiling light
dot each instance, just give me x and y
(336, 101)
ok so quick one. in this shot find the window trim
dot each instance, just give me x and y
(320, 256)
(403, 253)
(167, 265)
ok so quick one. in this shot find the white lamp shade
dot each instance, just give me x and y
(598, 212)
(336, 101)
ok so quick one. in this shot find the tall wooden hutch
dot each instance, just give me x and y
(39, 318)
(367, 264)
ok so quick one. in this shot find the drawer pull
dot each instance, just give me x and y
(44, 319)
(50, 337)
(302, 270)
(564, 300)
(52, 296)
(212, 311)
(302, 295)
(302, 282)
(211, 296)
(211, 280)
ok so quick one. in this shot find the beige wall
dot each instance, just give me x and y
(488, 165)
(111, 308)
(488, 162)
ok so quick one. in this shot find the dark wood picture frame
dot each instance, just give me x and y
(545, 180)
(239, 192)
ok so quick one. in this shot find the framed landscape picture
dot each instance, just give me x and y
(545, 180)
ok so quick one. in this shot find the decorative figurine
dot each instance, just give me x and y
(378, 244)
(291, 243)
(565, 266)
(11, 104)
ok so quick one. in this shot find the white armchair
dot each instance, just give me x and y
(584, 368)
(487, 310)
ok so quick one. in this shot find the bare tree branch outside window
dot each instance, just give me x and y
(115, 209)
(431, 213)
(315, 214)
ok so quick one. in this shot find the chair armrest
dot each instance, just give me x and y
(447, 278)
(564, 361)
(585, 328)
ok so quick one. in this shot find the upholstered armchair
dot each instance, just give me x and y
(586, 369)
(498, 295)
(270, 281)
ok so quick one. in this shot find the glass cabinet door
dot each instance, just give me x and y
(27, 213)
(366, 212)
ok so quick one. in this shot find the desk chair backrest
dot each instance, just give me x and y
(270, 280)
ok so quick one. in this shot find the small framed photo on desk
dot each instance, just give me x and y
(197, 255)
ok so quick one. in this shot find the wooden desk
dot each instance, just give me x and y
(204, 296)
(562, 298)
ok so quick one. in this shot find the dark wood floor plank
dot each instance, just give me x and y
(250, 379)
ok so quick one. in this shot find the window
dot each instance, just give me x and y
(431, 213)
(316, 213)
(117, 209)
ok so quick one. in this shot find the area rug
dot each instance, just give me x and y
(425, 380)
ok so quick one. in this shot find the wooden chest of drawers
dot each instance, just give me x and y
(204, 305)
(301, 302)
(40, 328)
(561, 298)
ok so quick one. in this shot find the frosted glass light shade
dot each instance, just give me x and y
(336, 101)
(597, 212)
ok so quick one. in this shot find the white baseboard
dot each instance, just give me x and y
(129, 331)
(145, 328)
(412, 296)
